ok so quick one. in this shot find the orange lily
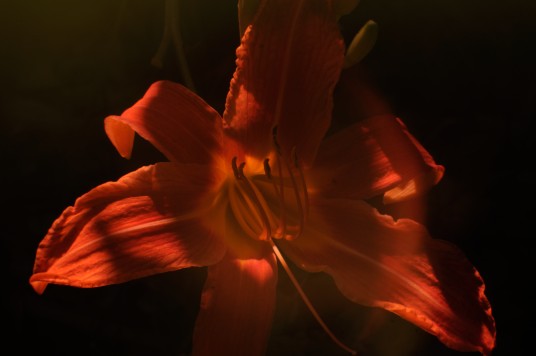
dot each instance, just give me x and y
(241, 191)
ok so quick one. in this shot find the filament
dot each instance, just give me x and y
(251, 206)
(302, 213)
(306, 300)
(242, 221)
(302, 181)
(250, 192)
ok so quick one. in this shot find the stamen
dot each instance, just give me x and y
(303, 183)
(301, 223)
(302, 214)
(274, 138)
(282, 209)
(267, 168)
(306, 300)
(235, 168)
(281, 228)
(243, 221)
(251, 194)
(241, 170)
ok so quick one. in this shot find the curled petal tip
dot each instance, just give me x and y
(39, 287)
(120, 134)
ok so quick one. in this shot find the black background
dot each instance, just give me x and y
(460, 73)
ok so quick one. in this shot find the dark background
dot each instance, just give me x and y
(460, 73)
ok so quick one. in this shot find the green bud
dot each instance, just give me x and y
(362, 43)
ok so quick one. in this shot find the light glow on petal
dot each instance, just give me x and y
(151, 221)
(288, 64)
(378, 262)
(372, 157)
(177, 122)
(237, 306)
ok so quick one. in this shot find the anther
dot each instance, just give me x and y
(241, 170)
(274, 139)
(235, 168)
(267, 169)
(294, 156)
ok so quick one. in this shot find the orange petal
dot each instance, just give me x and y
(378, 262)
(237, 306)
(371, 157)
(175, 120)
(418, 169)
(150, 221)
(288, 63)
(120, 134)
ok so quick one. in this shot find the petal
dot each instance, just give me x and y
(418, 169)
(151, 221)
(287, 66)
(175, 120)
(237, 306)
(371, 157)
(121, 135)
(378, 262)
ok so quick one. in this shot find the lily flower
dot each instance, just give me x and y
(261, 184)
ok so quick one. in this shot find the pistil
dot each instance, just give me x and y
(307, 302)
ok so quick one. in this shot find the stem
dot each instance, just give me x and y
(172, 33)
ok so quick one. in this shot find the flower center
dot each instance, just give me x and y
(267, 204)
(269, 207)
(272, 205)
